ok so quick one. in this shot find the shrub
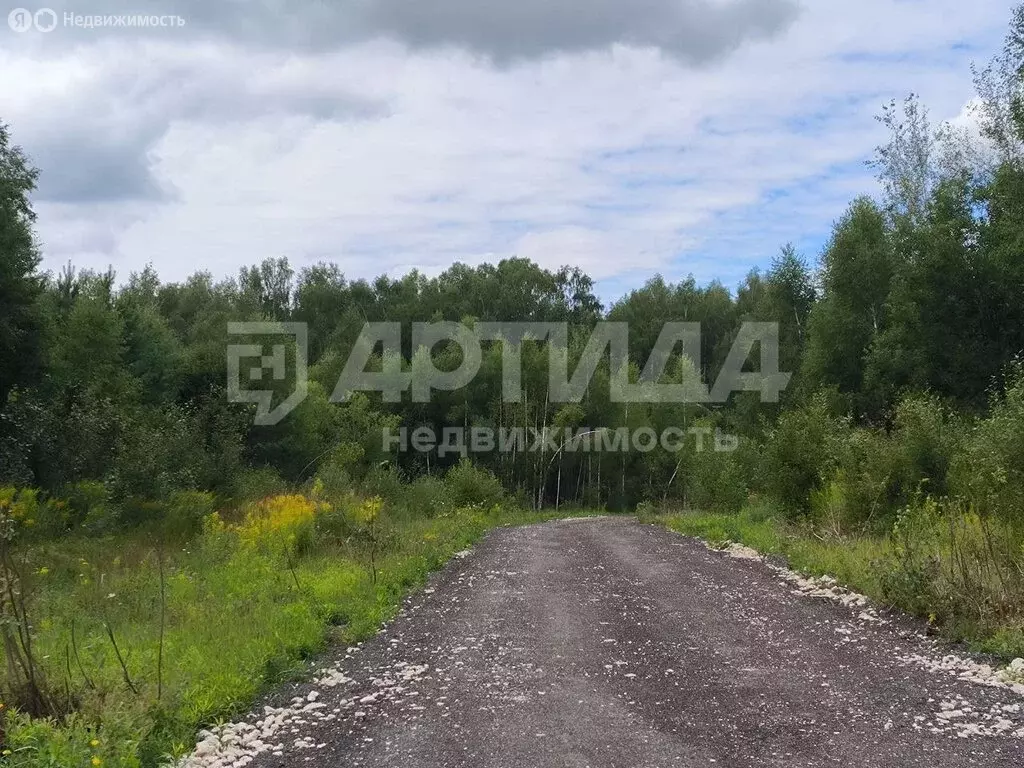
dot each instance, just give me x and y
(259, 483)
(157, 453)
(953, 565)
(185, 513)
(866, 489)
(33, 515)
(472, 486)
(801, 452)
(335, 476)
(89, 506)
(911, 580)
(646, 510)
(877, 474)
(386, 482)
(426, 495)
(927, 436)
(719, 480)
(990, 470)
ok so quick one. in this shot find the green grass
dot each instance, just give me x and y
(865, 564)
(851, 560)
(237, 621)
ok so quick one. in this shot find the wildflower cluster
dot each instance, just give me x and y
(28, 510)
(281, 522)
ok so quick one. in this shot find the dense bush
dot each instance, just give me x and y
(720, 480)
(33, 514)
(468, 485)
(956, 568)
(990, 469)
(801, 452)
(928, 436)
(866, 488)
(185, 512)
(426, 495)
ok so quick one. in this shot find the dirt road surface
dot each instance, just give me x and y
(605, 642)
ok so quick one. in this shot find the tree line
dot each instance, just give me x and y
(913, 311)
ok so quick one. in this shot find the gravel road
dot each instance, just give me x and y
(604, 642)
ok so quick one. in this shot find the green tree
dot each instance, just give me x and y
(856, 275)
(20, 324)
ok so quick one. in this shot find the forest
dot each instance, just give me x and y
(137, 501)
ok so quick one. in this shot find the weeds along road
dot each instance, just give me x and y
(604, 642)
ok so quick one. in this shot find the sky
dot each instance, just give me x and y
(628, 138)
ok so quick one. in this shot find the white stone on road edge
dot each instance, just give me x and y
(235, 745)
(956, 716)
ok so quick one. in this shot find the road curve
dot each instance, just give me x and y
(605, 643)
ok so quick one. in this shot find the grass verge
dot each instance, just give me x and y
(201, 630)
(869, 565)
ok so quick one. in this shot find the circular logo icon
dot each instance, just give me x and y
(20, 19)
(45, 19)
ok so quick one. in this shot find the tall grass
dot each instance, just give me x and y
(955, 570)
(142, 642)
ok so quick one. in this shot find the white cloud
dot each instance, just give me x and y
(691, 30)
(620, 159)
